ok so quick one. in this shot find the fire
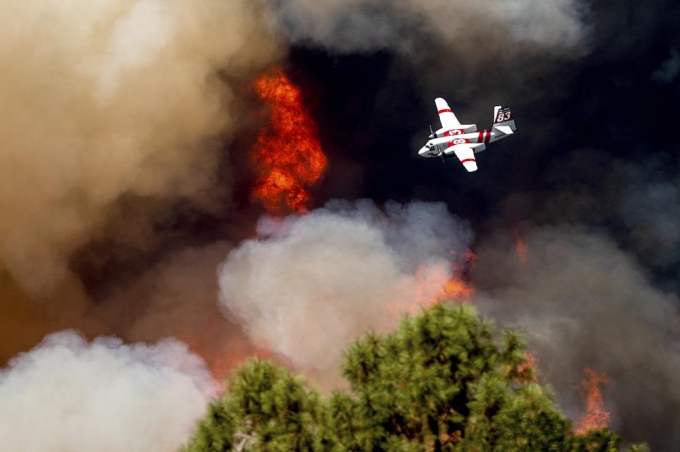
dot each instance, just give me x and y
(520, 247)
(596, 416)
(434, 284)
(288, 153)
(526, 371)
(222, 355)
(454, 289)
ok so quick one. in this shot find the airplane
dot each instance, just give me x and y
(463, 140)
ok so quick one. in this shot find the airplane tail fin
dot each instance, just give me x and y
(503, 120)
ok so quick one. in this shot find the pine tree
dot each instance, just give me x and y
(439, 382)
(265, 409)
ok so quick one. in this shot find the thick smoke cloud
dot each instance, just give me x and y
(636, 202)
(466, 27)
(582, 302)
(68, 394)
(309, 285)
(650, 209)
(108, 99)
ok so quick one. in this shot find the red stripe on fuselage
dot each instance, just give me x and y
(481, 137)
(488, 137)
(446, 110)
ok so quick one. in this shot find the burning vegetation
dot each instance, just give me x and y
(596, 417)
(287, 155)
(405, 395)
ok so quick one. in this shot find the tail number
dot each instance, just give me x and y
(504, 116)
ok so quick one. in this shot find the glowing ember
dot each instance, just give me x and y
(526, 371)
(287, 154)
(469, 258)
(520, 248)
(455, 289)
(596, 416)
(223, 356)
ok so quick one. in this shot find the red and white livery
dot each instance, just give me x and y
(463, 140)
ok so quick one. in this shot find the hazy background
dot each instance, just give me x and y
(125, 181)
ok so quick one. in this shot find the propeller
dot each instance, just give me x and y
(441, 154)
(431, 132)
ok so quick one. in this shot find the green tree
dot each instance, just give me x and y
(440, 382)
(265, 409)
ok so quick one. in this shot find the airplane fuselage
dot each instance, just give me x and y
(435, 147)
(463, 140)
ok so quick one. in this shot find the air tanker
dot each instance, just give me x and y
(463, 140)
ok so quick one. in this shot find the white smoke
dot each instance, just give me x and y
(309, 285)
(71, 395)
(110, 98)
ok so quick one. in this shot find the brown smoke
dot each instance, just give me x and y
(108, 99)
(178, 298)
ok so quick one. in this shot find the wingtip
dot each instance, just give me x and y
(470, 166)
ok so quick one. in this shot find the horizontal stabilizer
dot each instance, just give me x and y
(505, 130)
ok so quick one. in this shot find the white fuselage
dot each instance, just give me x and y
(435, 147)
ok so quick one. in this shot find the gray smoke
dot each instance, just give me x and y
(582, 302)
(669, 69)
(68, 394)
(637, 203)
(309, 285)
(649, 208)
(466, 27)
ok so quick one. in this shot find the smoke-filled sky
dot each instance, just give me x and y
(125, 207)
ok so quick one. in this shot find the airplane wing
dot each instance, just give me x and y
(465, 154)
(448, 119)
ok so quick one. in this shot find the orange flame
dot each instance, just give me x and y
(288, 153)
(457, 288)
(526, 370)
(434, 284)
(596, 416)
(221, 359)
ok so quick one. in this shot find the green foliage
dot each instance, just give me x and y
(597, 440)
(440, 382)
(265, 409)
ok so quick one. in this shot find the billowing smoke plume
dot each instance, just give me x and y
(68, 394)
(584, 303)
(309, 285)
(466, 27)
(111, 98)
